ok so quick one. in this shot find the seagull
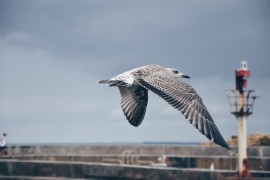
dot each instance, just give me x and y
(164, 82)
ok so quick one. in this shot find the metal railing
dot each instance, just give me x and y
(241, 104)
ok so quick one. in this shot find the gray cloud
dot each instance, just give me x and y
(52, 53)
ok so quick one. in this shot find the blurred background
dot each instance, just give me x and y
(52, 53)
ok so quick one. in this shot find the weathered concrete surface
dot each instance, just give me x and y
(92, 170)
(108, 171)
(178, 156)
(117, 149)
(219, 162)
(262, 151)
(73, 162)
(36, 178)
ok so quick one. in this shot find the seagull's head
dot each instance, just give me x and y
(176, 73)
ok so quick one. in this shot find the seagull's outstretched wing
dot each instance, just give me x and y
(134, 102)
(185, 99)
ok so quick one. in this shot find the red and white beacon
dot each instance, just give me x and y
(241, 74)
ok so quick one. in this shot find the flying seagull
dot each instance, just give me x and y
(134, 85)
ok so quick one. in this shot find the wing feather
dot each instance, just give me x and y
(134, 102)
(185, 99)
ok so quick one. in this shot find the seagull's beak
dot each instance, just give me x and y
(184, 76)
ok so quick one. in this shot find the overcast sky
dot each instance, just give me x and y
(52, 53)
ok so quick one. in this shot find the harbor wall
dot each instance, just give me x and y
(261, 151)
(92, 162)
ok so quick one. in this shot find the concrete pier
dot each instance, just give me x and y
(92, 162)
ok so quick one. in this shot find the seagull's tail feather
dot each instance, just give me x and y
(112, 82)
(103, 82)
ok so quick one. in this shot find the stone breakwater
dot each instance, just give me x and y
(145, 162)
(256, 139)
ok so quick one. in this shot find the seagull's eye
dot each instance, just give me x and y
(175, 72)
